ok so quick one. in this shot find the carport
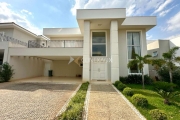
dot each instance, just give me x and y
(36, 62)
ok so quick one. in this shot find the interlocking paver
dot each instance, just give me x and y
(106, 104)
(33, 101)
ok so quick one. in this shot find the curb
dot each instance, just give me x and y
(130, 104)
(86, 103)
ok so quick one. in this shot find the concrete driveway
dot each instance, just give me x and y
(33, 101)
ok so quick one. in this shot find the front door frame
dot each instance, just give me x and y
(106, 70)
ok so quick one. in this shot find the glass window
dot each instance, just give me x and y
(133, 41)
(98, 44)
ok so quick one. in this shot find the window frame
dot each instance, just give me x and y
(141, 43)
(98, 43)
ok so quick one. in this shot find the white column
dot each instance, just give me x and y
(114, 51)
(86, 52)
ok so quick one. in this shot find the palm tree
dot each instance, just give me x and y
(139, 62)
(169, 60)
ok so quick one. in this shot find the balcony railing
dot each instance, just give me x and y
(55, 44)
(13, 42)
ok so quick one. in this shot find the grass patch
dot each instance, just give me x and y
(75, 107)
(155, 102)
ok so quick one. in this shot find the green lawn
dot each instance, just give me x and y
(156, 102)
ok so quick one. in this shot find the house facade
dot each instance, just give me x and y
(98, 50)
(156, 48)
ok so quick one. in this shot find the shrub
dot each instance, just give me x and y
(75, 107)
(140, 100)
(121, 86)
(73, 114)
(117, 82)
(136, 79)
(123, 79)
(165, 86)
(158, 114)
(168, 95)
(128, 91)
(6, 72)
(164, 74)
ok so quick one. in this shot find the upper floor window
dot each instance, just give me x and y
(98, 44)
(133, 42)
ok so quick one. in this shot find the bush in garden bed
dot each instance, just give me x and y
(117, 82)
(121, 86)
(75, 107)
(136, 79)
(168, 87)
(128, 91)
(140, 100)
(158, 114)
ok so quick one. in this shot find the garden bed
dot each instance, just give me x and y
(74, 109)
(155, 101)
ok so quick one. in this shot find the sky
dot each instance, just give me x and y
(35, 15)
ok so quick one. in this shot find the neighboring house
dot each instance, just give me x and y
(156, 48)
(101, 47)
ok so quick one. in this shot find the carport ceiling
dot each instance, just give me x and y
(57, 57)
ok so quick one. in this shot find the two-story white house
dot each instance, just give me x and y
(101, 47)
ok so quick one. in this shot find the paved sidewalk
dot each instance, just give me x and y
(106, 104)
(33, 101)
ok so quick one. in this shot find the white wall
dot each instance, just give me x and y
(20, 35)
(175, 42)
(123, 51)
(62, 68)
(7, 31)
(48, 65)
(26, 67)
(45, 51)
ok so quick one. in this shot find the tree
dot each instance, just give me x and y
(169, 60)
(6, 72)
(140, 61)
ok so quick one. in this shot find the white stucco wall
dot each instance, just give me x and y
(20, 35)
(45, 51)
(123, 51)
(175, 42)
(62, 68)
(7, 31)
(26, 67)
(48, 65)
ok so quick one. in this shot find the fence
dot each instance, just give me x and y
(13, 42)
(55, 44)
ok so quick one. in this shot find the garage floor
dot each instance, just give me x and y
(33, 100)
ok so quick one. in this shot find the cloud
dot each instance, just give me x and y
(174, 36)
(26, 11)
(162, 6)
(163, 13)
(148, 37)
(174, 22)
(9, 15)
(78, 5)
(133, 7)
(52, 8)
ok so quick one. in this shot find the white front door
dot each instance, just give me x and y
(99, 71)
